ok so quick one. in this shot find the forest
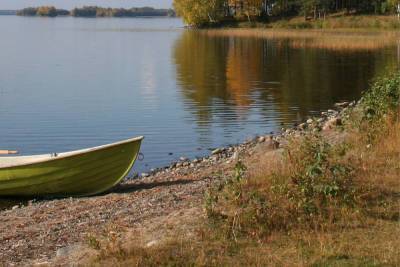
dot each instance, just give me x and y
(201, 12)
(94, 11)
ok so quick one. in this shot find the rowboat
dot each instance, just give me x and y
(78, 173)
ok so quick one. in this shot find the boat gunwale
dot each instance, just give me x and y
(69, 154)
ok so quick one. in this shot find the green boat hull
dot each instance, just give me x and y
(81, 173)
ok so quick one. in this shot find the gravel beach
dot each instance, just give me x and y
(153, 206)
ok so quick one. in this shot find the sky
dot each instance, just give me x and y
(69, 4)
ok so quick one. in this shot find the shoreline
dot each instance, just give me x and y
(58, 230)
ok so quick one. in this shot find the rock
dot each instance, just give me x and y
(303, 126)
(15, 207)
(342, 104)
(331, 123)
(217, 151)
(145, 175)
(309, 121)
(235, 156)
(183, 159)
(272, 144)
(179, 164)
(152, 243)
(261, 139)
(66, 251)
(214, 158)
(195, 161)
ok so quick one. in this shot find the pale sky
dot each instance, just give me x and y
(69, 4)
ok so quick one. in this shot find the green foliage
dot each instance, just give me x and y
(202, 12)
(383, 97)
(199, 12)
(317, 186)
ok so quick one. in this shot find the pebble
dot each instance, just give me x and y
(151, 243)
(342, 104)
(303, 126)
(235, 156)
(217, 151)
(261, 139)
(179, 164)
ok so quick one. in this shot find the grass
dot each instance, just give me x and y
(332, 21)
(321, 203)
(343, 40)
(338, 21)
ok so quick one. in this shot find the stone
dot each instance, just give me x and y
(272, 144)
(214, 158)
(217, 151)
(342, 104)
(235, 156)
(179, 164)
(145, 174)
(183, 159)
(261, 139)
(303, 126)
(332, 123)
(66, 251)
(309, 121)
(152, 243)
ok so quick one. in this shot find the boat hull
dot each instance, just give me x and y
(90, 172)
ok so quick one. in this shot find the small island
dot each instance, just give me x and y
(95, 11)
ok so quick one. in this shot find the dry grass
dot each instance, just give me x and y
(373, 241)
(324, 39)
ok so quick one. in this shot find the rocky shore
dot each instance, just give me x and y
(145, 210)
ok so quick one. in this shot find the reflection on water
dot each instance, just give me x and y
(71, 83)
(235, 75)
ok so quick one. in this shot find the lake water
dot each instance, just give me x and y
(72, 83)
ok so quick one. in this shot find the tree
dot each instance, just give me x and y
(47, 11)
(200, 12)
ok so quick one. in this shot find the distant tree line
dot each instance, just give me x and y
(43, 11)
(95, 11)
(198, 12)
